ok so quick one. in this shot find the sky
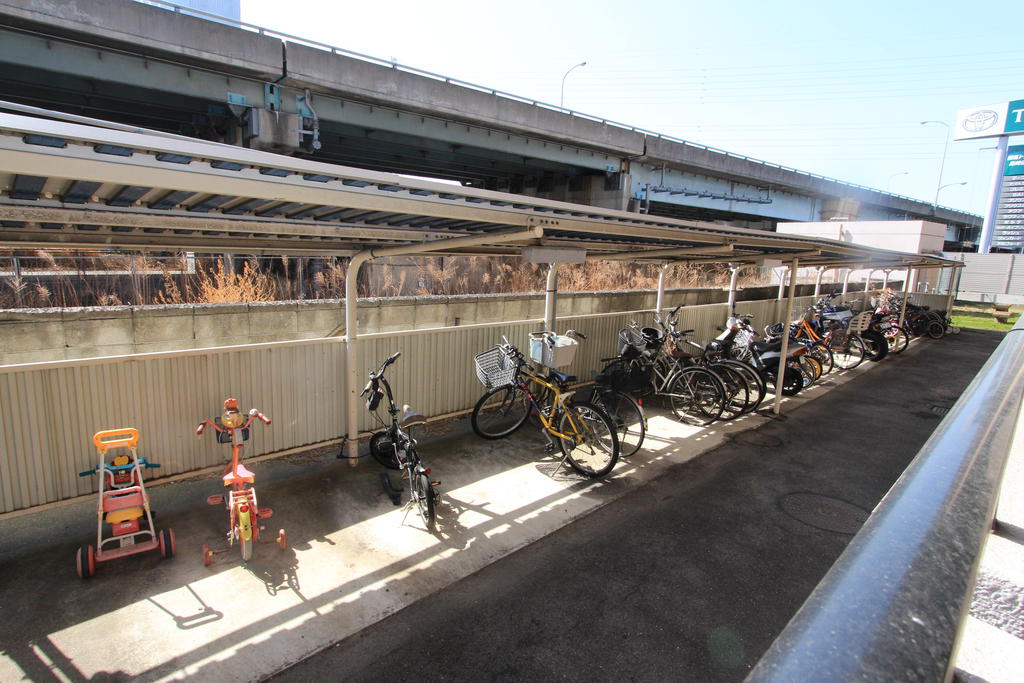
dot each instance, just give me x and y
(834, 88)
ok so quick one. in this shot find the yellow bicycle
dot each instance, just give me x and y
(582, 430)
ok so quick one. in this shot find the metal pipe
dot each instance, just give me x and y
(893, 604)
(949, 300)
(885, 280)
(782, 283)
(846, 281)
(352, 320)
(817, 281)
(785, 338)
(733, 279)
(551, 297)
(906, 295)
(659, 303)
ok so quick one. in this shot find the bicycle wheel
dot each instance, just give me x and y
(810, 369)
(246, 548)
(592, 448)
(383, 450)
(423, 493)
(628, 416)
(848, 351)
(696, 396)
(755, 385)
(500, 412)
(898, 341)
(737, 395)
(875, 347)
(935, 329)
(792, 379)
(823, 355)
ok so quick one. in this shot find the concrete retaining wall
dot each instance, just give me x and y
(35, 335)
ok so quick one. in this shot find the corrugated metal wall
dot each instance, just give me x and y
(49, 411)
(936, 301)
(992, 273)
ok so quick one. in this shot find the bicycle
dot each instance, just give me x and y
(810, 367)
(829, 325)
(696, 395)
(744, 388)
(583, 431)
(394, 448)
(244, 512)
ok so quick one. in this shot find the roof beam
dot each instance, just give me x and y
(662, 253)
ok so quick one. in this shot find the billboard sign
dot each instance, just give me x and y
(988, 121)
(1014, 160)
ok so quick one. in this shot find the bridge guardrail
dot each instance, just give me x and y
(893, 604)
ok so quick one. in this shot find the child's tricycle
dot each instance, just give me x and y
(123, 505)
(245, 515)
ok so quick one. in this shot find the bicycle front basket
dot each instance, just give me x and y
(494, 368)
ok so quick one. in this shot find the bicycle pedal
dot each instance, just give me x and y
(216, 499)
(266, 513)
(549, 448)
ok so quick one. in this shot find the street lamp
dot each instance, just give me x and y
(943, 164)
(888, 185)
(561, 102)
(942, 187)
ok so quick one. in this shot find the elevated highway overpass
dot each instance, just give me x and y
(177, 71)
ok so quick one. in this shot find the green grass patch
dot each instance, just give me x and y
(981, 320)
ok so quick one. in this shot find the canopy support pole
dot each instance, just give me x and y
(785, 339)
(846, 281)
(906, 295)
(733, 279)
(949, 300)
(659, 303)
(551, 297)
(817, 281)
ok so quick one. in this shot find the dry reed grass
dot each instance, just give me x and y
(91, 279)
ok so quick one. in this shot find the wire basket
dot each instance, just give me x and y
(494, 368)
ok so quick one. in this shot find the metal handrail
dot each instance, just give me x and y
(893, 605)
(263, 31)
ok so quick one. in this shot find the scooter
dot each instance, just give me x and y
(244, 512)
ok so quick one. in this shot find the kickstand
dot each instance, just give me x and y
(394, 494)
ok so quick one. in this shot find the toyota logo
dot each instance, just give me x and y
(983, 119)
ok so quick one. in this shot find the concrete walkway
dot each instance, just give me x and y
(354, 559)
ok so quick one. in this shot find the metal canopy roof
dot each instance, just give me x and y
(73, 185)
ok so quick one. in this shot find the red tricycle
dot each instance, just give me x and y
(123, 504)
(245, 514)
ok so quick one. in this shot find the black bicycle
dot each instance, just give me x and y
(395, 448)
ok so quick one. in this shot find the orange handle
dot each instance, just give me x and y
(126, 437)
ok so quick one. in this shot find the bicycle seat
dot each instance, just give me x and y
(411, 418)
(240, 476)
(762, 347)
(562, 377)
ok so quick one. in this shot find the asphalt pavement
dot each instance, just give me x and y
(691, 575)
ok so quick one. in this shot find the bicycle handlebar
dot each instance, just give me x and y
(383, 366)
(253, 415)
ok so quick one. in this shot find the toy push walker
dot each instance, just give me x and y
(245, 514)
(123, 504)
